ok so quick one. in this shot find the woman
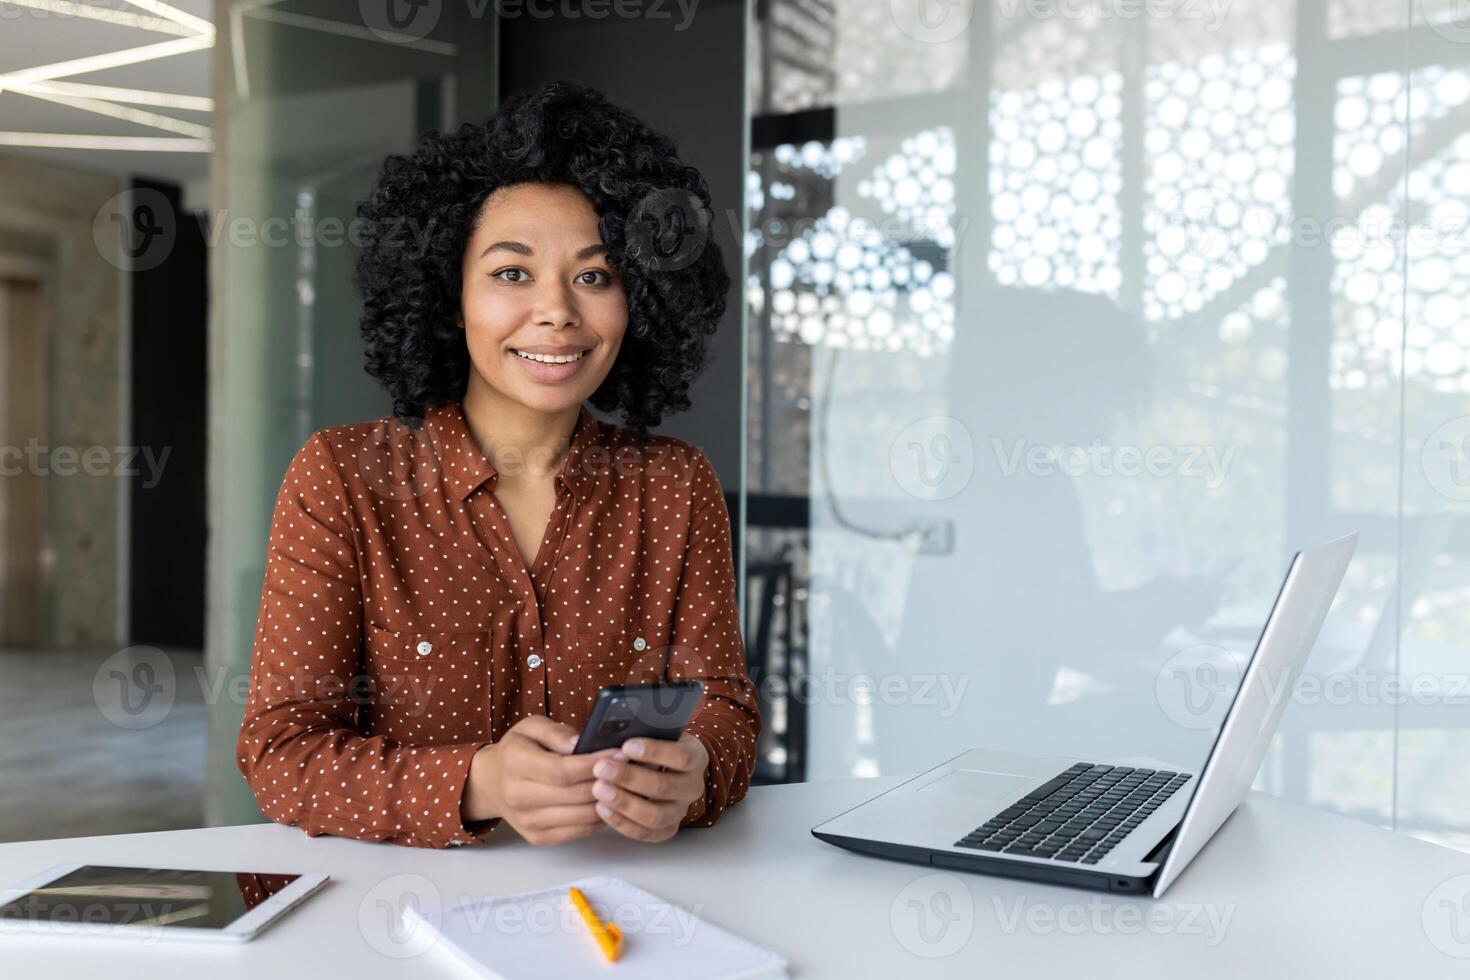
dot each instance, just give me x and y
(448, 589)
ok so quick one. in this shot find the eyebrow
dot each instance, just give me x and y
(522, 249)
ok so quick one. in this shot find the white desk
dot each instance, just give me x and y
(1282, 891)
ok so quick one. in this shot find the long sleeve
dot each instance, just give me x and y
(299, 746)
(707, 646)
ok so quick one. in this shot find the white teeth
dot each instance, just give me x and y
(550, 358)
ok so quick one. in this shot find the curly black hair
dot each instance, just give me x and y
(654, 217)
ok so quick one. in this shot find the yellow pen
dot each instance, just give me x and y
(608, 936)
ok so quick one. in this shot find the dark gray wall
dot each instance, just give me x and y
(686, 80)
(166, 521)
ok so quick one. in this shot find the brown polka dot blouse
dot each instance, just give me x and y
(399, 629)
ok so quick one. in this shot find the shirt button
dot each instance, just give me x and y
(425, 648)
(639, 643)
(533, 661)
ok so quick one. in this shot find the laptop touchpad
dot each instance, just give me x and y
(973, 784)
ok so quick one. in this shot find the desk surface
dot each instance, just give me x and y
(1282, 891)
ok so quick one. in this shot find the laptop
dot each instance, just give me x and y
(1096, 825)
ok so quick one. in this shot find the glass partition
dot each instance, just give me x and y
(1068, 326)
(311, 96)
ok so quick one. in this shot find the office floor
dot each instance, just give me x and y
(68, 771)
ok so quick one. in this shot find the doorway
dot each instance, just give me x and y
(22, 491)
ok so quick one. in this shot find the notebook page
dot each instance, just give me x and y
(540, 935)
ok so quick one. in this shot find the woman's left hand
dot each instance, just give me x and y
(643, 801)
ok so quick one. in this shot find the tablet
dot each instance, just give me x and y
(153, 904)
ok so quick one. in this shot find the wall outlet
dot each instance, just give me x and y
(936, 538)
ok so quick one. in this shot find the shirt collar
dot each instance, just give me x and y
(466, 468)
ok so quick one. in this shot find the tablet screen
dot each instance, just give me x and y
(145, 897)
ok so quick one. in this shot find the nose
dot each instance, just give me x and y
(556, 305)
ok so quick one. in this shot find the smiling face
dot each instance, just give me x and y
(542, 310)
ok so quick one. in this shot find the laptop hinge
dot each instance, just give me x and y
(1162, 848)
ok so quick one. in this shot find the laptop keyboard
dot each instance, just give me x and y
(1079, 815)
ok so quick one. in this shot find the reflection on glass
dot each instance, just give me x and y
(141, 897)
(1064, 383)
(287, 354)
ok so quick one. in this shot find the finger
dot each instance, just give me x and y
(560, 816)
(630, 828)
(681, 755)
(561, 835)
(652, 814)
(543, 765)
(543, 778)
(528, 794)
(551, 735)
(652, 784)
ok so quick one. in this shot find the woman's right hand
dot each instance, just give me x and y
(531, 780)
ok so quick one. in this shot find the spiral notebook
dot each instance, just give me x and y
(539, 936)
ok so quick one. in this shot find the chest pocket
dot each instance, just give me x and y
(429, 688)
(619, 656)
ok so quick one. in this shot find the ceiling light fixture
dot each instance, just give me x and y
(42, 81)
(111, 93)
(169, 12)
(154, 120)
(107, 15)
(110, 59)
(67, 141)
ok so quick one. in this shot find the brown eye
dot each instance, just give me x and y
(497, 275)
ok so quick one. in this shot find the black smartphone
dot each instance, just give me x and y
(624, 711)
